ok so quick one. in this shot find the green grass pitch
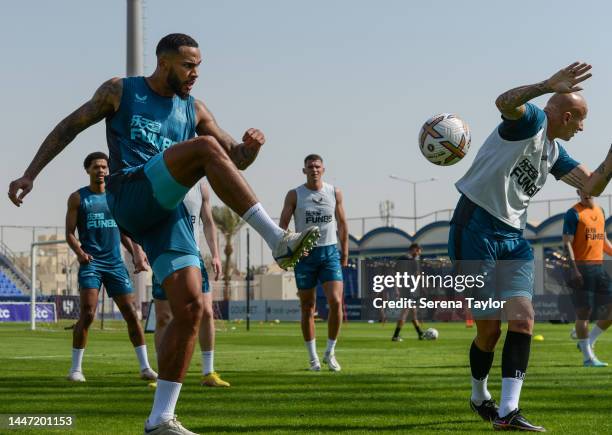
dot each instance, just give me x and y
(384, 387)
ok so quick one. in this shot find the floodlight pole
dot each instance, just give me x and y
(33, 286)
(33, 250)
(134, 59)
(414, 199)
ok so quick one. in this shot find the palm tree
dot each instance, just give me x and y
(229, 223)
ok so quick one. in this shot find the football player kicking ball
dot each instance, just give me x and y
(198, 207)
(318, 203)
(585, 241)
(97, 250)
(510, 168)
(162, 141)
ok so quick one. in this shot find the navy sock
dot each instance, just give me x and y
(515, 356)
(480, 362)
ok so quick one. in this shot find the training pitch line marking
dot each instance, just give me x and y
(49, 356)
(120, 356)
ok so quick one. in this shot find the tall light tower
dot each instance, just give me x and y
(135, 57)
(414, 196)
(385, 209)
(135, 67)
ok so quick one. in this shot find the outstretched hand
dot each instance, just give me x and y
(19, 188)
(566, 80)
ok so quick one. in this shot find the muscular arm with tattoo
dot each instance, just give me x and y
(242, 154)
(512, 106)
(593, 183)
(103, 103)
(512, 103)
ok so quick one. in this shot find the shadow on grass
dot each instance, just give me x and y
(331, 428)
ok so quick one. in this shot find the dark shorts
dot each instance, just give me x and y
(597, 288)
(147, 204)
(115, 279)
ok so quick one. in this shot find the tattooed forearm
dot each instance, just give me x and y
(101, 105)
(573, 180)
(516, 97)
(57, 140)
(601, 177)
(243, 156)
(604, 172)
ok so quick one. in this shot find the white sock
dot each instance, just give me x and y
(208, 361)
(586, 349)
(141, 354)
(166, 395)
(594, 334)
(331, 346)
(77, 360)
(261, 222)
(312, 349)
(480, 393)
(510, 393)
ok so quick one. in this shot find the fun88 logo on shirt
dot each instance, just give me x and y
(98, 220)
(148, 131)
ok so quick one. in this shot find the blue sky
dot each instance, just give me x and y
(351, 80)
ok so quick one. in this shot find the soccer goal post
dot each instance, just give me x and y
(33, 257)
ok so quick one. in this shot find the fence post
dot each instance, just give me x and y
(33, 287)
(248, 280)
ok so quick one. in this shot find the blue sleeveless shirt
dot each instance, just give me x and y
(146, 124)
(98, 232)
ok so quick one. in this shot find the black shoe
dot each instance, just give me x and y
(421, 336)
(515, 421)
(487, 409)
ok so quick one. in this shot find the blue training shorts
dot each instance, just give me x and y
(321, 265)
(147, 204)
(115, 279)
(505, 261)
(160, 294)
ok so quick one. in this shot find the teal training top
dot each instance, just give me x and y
(145, 124)
(98, 232)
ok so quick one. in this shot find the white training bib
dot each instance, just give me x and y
(317, 207)
(505, 175)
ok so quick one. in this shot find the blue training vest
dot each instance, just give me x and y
(146, 124)
(98, 232)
